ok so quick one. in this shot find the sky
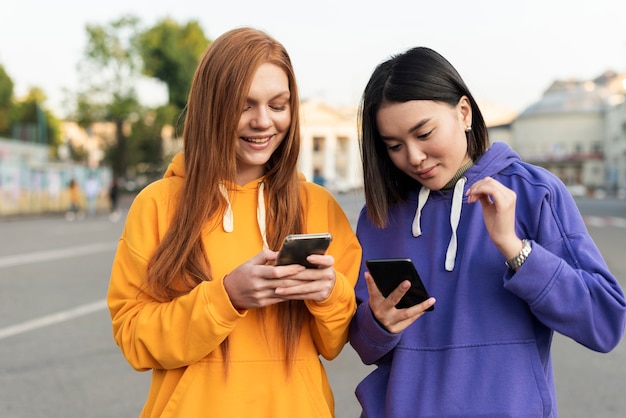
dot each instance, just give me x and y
(508, 52)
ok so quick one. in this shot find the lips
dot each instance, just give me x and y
(256, 140)
(426, 173)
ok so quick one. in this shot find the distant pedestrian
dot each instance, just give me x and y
(92, 190)
(114, 213)
(74, 211)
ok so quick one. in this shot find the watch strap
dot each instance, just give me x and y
(517, 261)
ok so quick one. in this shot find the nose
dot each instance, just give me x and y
(261, 118)
(415, 155)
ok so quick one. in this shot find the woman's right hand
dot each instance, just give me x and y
(253, 284)
(384, 309)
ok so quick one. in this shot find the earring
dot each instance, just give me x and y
(468, 129)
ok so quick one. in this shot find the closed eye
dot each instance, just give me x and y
(426, 135)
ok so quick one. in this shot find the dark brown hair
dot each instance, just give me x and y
(417, 74)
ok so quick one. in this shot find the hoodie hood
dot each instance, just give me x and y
(498, 157)
(176, 168)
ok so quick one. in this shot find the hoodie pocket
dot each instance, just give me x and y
(504, 379)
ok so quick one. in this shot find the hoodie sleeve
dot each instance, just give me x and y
(565, 280)
(331, 317)
(153, 334)
(368, 338)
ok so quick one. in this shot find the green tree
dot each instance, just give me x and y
(6, 102)
(145, 145)
(170, 53)
(42, 125)
(117, 55)
(109, 72)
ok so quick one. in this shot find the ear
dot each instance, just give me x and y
(464, 108)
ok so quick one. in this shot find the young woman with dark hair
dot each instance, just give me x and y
(499, 244)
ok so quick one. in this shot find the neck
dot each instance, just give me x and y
(450, 185)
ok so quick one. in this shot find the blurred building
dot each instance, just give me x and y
(91, 142)
(577, 130)
(34, 180)
(498, 119)
(329, 152)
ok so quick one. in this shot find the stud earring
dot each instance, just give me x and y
(468, 129)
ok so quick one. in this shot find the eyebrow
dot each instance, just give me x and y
(412, 129)
(281, 95)
(419, 125)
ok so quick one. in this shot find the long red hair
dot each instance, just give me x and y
(216, 99)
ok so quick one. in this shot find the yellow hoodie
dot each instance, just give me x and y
(179, 340)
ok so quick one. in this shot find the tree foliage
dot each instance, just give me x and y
(117, 56)
(6, 101)
(170, 53)
(26, 118)
(109, 74)
(30, 111)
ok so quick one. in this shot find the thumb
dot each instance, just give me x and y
(263, 257)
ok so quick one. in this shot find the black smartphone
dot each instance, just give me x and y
(297, 247)
(388, 273)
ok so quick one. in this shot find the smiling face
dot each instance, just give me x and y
(426, 139)
(264, 121)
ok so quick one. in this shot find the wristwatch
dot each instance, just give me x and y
(517, 261)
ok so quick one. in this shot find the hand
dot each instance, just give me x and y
(384, 309)
(311, 284)
(498, 204)
(253, 284)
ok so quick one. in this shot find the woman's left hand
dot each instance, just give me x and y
(498, 204)
(311, 284)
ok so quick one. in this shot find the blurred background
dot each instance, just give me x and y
(95, 92)
(91, 96)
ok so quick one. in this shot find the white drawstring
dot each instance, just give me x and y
(260, 213)
(422, 197)
(455, 216)
(229, 219)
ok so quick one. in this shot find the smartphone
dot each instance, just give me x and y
(297, 247)
(388, 273)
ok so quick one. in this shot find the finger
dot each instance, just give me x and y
(295, 292)
(397, 294)
(487, 200)
(321, 261)
(270, 255)
(263, 257)
(372, 289)
(305, 290)
(423, 306)
(282, 272)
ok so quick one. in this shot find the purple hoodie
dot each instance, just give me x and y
(485, 349)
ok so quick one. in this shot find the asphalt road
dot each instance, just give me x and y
(58, 358)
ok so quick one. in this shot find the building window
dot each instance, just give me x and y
(318, 144)
(342, 144)
(597, 148)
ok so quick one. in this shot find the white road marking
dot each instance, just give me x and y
(37, 257)
(52, 319)
(66, 315)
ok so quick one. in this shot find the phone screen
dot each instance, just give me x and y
(297, 247)
(388, 273)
